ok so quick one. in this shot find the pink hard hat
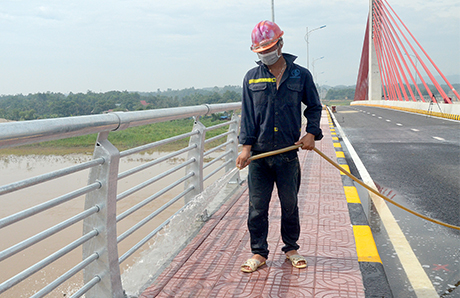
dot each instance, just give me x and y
(265, 35)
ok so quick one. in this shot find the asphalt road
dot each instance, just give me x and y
(415, 160)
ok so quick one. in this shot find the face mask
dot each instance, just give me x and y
(269, 58)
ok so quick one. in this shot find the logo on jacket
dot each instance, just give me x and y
(295, 74)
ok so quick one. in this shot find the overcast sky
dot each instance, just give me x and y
(139, 45)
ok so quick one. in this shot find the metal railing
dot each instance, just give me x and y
(99, 243)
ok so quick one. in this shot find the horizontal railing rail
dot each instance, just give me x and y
(100, 218)
(35, 131)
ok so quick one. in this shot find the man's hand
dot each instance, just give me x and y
(243, 159)
(308, 141)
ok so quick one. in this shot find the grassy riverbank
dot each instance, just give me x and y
(128, 138)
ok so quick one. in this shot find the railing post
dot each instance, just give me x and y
(234, 144)
(106, 267)
(197, 167)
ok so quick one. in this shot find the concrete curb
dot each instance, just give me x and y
(412, 110)
(374, 277)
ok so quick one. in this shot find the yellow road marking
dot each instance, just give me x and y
(346, 168)
(339, 154)
(365, 245)
(352, 194)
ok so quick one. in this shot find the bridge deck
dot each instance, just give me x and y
(210, 265)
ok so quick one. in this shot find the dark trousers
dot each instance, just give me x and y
(284, 170)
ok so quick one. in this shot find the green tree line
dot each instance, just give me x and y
(53, 105)
(340, 93)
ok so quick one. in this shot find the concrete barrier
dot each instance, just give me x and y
(449, 111)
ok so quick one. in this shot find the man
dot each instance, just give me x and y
(271, 119)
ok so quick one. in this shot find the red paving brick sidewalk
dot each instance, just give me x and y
(210, 265)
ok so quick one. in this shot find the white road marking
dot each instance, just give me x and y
(414, 129)
(388, 120)
(439, 139)
(380, 117)
(399, 124)
(347, 112)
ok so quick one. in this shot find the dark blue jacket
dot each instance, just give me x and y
(271, 118)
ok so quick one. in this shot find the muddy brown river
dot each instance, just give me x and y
(15, 168)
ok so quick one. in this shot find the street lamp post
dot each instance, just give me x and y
(306, 39)
(318, 86)
(313, 66)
